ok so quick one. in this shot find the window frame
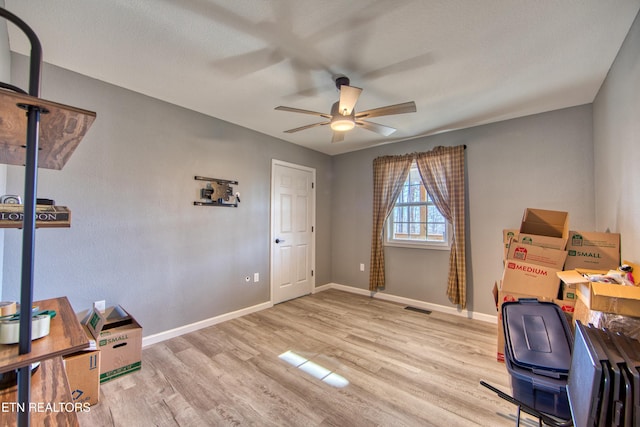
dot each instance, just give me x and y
(389, 240)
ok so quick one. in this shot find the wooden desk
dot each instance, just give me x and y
(66, 336)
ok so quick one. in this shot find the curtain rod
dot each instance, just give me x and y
(464, 146)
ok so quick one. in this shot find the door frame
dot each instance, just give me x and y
(275, 163)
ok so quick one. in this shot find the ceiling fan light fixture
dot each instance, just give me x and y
(342, 124)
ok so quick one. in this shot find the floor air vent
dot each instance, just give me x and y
(419, 310)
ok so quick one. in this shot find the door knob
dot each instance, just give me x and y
(279, 240)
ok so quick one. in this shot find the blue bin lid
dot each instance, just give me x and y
(537, 337)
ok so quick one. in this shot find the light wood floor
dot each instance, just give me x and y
(404, 369)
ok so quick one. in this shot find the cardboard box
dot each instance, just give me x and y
(538, 255)
(507, 235)
(544, 241)
(593, 250)
(569, 291)
(582, 313)
(566, 305)
(546, 228)
(604, 297)
(542, 222)
(83, 374)
(570, 280)
(579, 310)
(610, 298)
(627, 325)
(530, 279)
(119, 337)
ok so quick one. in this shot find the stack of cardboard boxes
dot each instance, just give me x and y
(541, 248)
(115, 350)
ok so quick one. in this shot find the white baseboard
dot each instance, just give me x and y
(351, 289)
(411, 302)
(172, 333)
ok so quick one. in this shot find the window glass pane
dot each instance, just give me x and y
(436, 231)
(403, 214)
(414, 213)
(402, 198)
(414, 230)
(414, 194)
(434, 214)
(415, 218)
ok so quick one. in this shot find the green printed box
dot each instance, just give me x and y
(592, 250)
(119, 339)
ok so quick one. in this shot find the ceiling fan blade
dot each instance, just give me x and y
(337, 137)
(375, 127)
(298, 110)
(406, 107)
(302, 73)
(306, 127)
(348, 97)
(409, 64)
(247, 63)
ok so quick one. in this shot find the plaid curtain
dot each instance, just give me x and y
(442, 173)
(389, 174)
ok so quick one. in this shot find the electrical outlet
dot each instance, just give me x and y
(256, 277)
(101, 305)
(361, 267)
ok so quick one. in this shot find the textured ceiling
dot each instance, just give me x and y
(463, 62)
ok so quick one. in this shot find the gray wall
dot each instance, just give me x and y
(616, 124)
(136, 239)
(5, 76)
(5, 55)
(543, 161)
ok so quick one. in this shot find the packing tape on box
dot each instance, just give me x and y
(7, 308)
(10, 329)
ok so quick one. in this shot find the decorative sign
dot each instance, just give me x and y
(217, 192)
(12, 215)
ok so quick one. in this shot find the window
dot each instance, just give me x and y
(415, 221)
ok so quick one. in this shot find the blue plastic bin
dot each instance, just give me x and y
(545, 394)
(538, 344)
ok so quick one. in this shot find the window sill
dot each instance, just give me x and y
(418, 245)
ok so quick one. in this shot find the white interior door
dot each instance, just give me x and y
(292, 228)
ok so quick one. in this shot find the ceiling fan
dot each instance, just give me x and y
(343, 117)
